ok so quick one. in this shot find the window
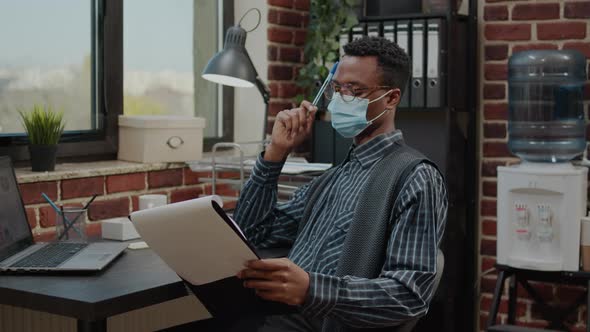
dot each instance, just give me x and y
(53, 54)
(165, 49)
(70, 54)
(45, 63)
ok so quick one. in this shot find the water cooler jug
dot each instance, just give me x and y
(542, 200)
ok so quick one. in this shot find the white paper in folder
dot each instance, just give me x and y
(194, 239)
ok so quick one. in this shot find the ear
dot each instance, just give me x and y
(393, 99)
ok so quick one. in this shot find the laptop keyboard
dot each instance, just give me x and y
(51, 255)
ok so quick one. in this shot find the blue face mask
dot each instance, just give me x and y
(350, 118)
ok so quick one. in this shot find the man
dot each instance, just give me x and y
(364, 94)
(368, 82)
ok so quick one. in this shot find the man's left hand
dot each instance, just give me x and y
(277, 279)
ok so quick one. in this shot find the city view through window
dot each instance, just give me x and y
(45, 59)
(158, 57)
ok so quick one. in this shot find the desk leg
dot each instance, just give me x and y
(496, 299)
(512, 285)
(92, 326)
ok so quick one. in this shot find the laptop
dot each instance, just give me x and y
(19, 252)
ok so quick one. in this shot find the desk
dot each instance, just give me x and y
(137, 279)
(523, 276)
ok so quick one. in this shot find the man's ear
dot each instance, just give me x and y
(393, 98)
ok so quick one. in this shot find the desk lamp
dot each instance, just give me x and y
(233, 66)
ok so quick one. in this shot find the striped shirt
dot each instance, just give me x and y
(405, 285)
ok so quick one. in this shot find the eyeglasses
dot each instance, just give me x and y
(349, 92)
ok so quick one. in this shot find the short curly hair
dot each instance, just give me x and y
(392, 59)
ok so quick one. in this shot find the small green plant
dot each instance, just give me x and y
(328, 18)
(43, 125)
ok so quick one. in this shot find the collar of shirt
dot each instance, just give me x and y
(370, 152)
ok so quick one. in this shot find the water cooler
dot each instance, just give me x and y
(542, 200)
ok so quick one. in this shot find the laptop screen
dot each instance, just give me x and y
(14, 228)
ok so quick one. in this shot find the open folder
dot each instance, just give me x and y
(206, 248)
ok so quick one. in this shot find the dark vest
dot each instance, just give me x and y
(365, 246)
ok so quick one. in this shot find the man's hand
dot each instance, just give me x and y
(277, 280)
(290, 129)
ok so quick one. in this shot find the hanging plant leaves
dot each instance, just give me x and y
(327, 19)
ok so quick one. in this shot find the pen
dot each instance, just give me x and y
(51, 203)
(89, 202)
(324, 85)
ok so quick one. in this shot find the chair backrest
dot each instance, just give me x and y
(440, 265)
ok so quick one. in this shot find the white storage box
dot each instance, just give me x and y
(153, 138)
(118, 229)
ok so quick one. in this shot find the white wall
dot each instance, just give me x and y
(248, 103)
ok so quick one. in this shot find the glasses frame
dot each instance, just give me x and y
(355, 92)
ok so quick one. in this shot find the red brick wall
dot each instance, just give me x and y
(508, 27)
(287, 20)
(117, 195)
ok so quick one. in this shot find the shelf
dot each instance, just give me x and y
(366, 19)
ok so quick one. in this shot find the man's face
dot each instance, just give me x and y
(363, 74)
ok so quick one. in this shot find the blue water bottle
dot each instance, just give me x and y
(546, 110)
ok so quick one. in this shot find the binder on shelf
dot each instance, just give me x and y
(402, 39)
(389, 31)
(358, 31)
(418, 77)
(373, 29)
(463, 7)
(435, 91)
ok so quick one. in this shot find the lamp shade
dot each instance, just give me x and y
(232, 66)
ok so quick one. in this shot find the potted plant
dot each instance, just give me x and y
(44, 128)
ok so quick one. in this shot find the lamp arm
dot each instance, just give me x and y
(265, 92)
(260, 85)
(263, 88)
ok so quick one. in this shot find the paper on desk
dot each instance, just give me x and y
(296, 167)
(293, 165)
(194, 240)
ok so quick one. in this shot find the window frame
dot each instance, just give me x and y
(227, 91)
(107, 94)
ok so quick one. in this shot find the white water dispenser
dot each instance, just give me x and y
(542, 200)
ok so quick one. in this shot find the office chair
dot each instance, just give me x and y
(440, 266)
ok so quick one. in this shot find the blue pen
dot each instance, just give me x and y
(51, 203)
(326, 82)
(57, 210)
